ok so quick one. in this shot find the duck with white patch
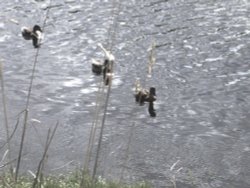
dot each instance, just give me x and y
(35, 34)
(143, 95)
(104, 67)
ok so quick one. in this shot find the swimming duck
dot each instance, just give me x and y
(143, 95)
(97, 67)
(104, 68)
(35, 34)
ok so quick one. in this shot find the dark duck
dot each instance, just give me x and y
(35, 34)
(97, 67)
(104, 67)
(143, 95)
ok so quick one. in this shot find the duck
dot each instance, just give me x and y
(35, 34)
(143, 95)
(97, 67)
(104, 67)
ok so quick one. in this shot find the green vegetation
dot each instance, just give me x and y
(72, 180)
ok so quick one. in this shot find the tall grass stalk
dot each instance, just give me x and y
(5, 115)
(94, 125)
(26, 113)
(41, 163)
(12, 134)
(127, 151)
(102, 124)
(114, 24)
(111, 40)
(92, 133)
(151, 59)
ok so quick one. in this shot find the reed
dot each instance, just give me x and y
(152, 58)
(6, 123)
(12, 134)
(26, 111)
(40, 167)
(102, 124)
(127, 151)
(174, 172)
(111, 37)
(94, 125)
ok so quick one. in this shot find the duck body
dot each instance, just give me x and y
(141, 96)
(144, 95)
(105, 67)
(97, 67)
(35, 34)
(26, 32)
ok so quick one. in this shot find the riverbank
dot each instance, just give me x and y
(72, 180)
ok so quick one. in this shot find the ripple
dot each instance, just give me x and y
(55, 100)
(235, 49)
(74, 82)
(89, 90)
(233, 82)
(4, 38)
(212, 59)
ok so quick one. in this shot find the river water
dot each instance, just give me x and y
(201, 76)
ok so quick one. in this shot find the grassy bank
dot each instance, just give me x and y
(72, 180)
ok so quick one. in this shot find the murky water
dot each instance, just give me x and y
(201, 75)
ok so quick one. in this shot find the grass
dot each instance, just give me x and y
(71, 180)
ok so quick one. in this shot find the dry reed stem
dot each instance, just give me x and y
(28, 102)
(41, 163)
(127, 151)
(111, 40)
(92, 132)
(12, 161)
(6, 164)
(94, 125)
(114, 25)
(12, 134)
(102, 124)
(151, 59)
(5, 114)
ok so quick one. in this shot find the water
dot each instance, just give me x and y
(201, 77)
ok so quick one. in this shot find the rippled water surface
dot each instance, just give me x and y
(201, 75)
